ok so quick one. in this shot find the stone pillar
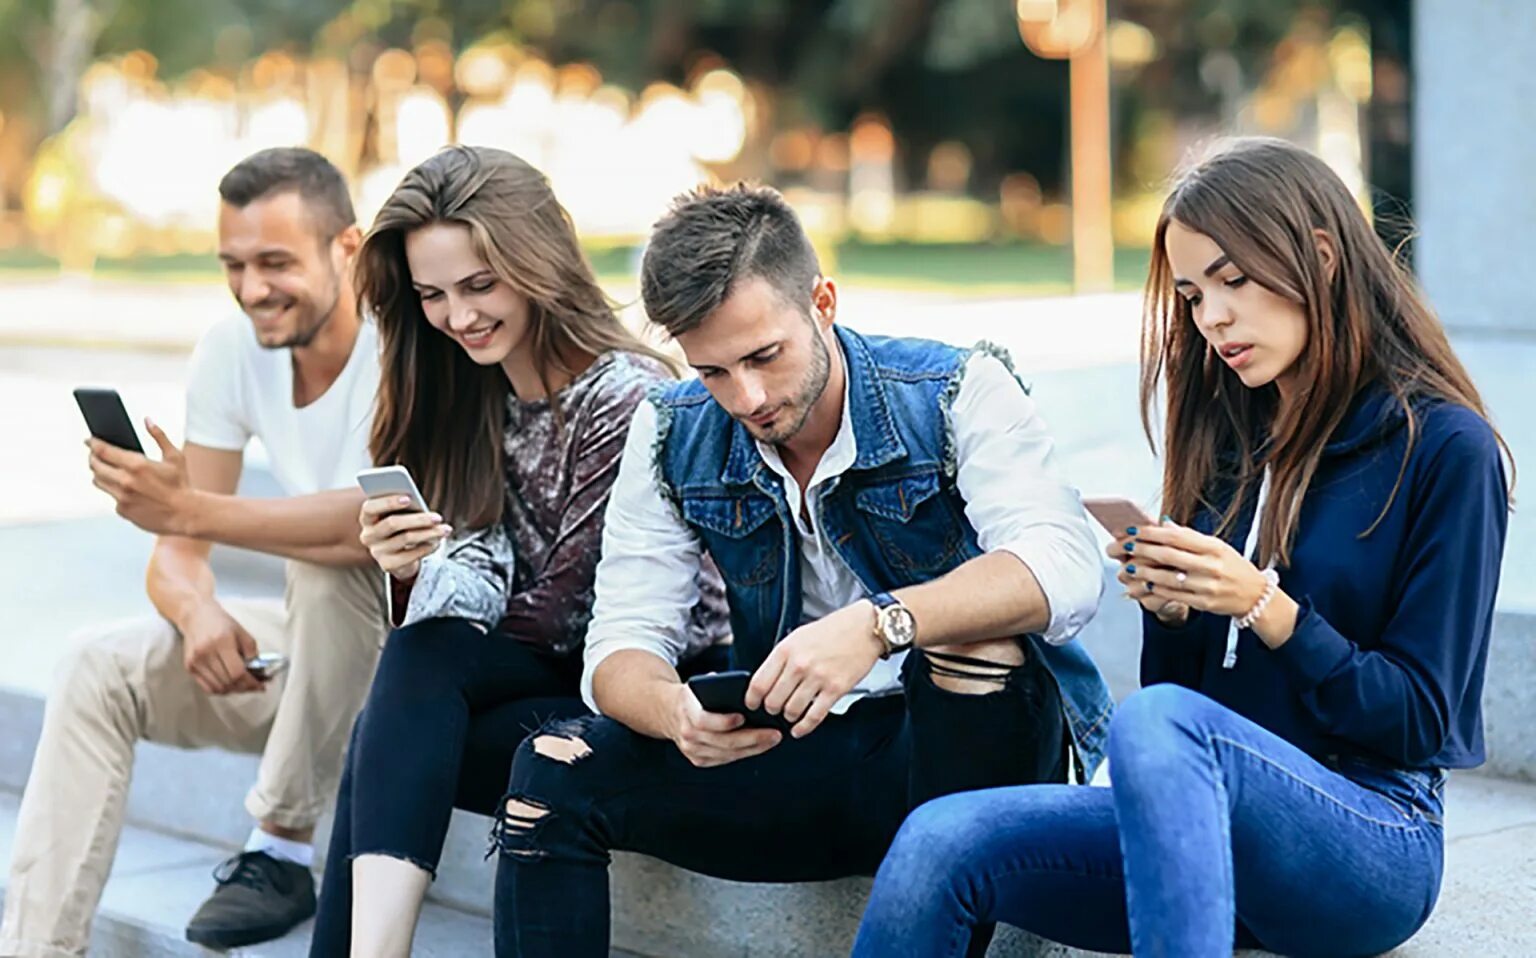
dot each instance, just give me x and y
(1475, 161)
(1474, 179)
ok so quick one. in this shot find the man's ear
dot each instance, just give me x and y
(824, 302)
(1328, 252)
(349, 240)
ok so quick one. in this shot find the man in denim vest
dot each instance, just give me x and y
(904, 576)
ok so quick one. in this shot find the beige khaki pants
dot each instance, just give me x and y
(126, 682)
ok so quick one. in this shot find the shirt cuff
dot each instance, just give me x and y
(1071, 603)
(1314, 650)
(596, 658)
(445, 589)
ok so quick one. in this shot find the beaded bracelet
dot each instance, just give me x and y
(1271, 585)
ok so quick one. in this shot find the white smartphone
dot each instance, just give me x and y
(392, 481)
(1117, 514)
(267, 665)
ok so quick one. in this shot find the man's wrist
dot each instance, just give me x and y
(191, 611)
(192, 514)
(871, 627)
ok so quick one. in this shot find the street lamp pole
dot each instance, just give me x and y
(1093, 245)
(1074, 30)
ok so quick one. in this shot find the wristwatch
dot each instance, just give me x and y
(895, 626)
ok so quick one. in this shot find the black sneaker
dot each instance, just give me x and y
(259, 898)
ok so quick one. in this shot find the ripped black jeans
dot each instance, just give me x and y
(446, 712)
(825, 806)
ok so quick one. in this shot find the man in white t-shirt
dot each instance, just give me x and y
(299, 371)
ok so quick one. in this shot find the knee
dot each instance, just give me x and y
(976, 668)
(936, 834)
(89, 677)
(313, 581)
(1156, 722)
(545, 760)
(929, 859)
(314, 586)
(422, 654)
(544, 788)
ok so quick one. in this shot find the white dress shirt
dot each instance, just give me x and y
(646, 577)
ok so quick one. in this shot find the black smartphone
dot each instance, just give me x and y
(107, 418)
(726, 693)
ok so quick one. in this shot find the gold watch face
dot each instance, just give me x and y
(897, 626)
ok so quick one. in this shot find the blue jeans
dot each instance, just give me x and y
(1215, 831)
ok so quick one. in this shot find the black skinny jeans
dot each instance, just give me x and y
(446, 712)
(825, 806)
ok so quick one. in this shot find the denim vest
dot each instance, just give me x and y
(895, 517)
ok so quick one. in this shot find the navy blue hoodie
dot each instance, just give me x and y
(1391, 640)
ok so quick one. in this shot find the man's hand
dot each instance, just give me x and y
(815, 665)
(709, 738)
(155, 496)
(215, 649)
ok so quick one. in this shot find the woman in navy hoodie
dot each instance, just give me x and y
(1318, 604)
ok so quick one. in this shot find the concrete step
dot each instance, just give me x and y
(159, 880)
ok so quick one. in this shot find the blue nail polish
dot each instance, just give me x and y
(1130, 531)
(1130, 547)
(1131, 569)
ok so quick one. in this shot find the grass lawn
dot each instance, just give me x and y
(998, 269)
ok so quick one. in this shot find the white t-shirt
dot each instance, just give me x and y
(236, 389)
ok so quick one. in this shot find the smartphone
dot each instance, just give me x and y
(1117, 515)
(267, 665)
(392, 481)
(726, 693)
(107, 418)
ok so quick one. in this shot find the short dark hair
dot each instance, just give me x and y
(291, 168)
(711, 238)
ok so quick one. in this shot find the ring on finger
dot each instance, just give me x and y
(1181, 578)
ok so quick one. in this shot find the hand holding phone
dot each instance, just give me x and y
(267, 665)
(1119, 517)
(707, 736)
(397, 527)
(216, 650)
(726, 693)
(107, 418)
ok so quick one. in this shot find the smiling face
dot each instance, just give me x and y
(285, 275)
(1258, 333)
(462, 297)
(762, 359)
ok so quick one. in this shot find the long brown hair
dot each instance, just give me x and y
(1261, 200)
(440, 414)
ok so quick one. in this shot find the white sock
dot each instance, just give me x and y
(300, 853)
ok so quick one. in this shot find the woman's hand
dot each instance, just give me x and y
(1201, 571)
(399, 537)
(1168, 611)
